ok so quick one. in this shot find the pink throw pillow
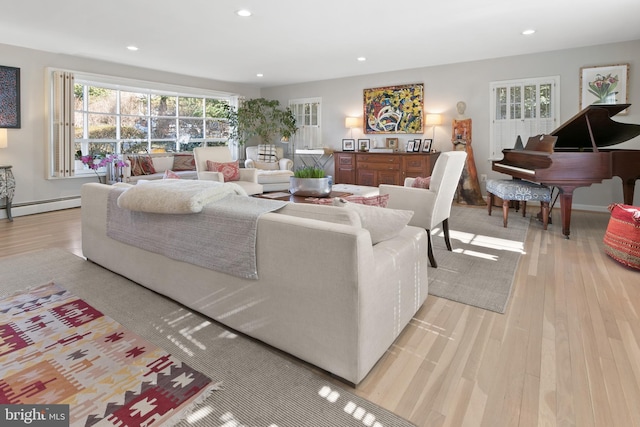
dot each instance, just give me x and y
(380, 201)
(230, 171)
(169, 174)
(421, 182)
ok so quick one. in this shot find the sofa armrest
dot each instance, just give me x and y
(249, 163)
(250, 175)
(286, 164)
(211, 176)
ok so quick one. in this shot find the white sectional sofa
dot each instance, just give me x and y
(324, 292)
(161, 163)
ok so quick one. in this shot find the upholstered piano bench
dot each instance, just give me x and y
(622, 238)
(519, 191)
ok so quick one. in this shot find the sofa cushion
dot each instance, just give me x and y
(230, 171)
(183, 162)
(382, 223)
(266, 165)
(322, 213)
(141, 165)
(162, 163)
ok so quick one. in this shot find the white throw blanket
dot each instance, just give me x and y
(175, 196)
(222, 237)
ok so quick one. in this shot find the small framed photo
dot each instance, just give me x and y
(348, 144)
(392, 143)
(416, 145)
(364, 144)
(426, 146)
(410, 146)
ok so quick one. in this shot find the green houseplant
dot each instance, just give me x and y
(261, 118)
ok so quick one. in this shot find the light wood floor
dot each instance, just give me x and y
(566, 352)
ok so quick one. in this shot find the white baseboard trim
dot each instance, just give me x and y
(41, 207)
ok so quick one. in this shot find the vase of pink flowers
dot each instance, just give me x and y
(111, 162)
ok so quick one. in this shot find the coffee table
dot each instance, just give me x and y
(298, 199)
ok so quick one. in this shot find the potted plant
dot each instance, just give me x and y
(310, 181)
(261, 118)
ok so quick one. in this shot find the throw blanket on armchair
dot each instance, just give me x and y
(222, 237)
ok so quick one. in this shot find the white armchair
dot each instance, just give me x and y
(248, 177)
(430, 206)
(273, 176)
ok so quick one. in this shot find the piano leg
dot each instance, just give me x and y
(628, 188)
(566, 199)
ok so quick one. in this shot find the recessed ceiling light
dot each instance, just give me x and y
(528, 32)
(243, 12)
(259, 75)
(362, 58)
(133, 48)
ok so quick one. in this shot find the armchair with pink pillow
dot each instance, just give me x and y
(216, 164)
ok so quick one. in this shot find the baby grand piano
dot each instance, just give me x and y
(577, 158)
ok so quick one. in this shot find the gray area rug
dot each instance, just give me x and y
(261, 388)
(481, 268)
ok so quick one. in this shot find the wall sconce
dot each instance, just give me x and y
(352, 123)
(3, 138)
(433, 120)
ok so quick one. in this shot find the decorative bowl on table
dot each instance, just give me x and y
(310, 187)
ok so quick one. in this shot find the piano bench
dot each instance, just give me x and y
(519, 191)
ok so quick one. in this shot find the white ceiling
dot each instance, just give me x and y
(292, 41)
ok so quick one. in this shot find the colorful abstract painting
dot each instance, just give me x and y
(9, 97)
(394, 109)
(55, 348)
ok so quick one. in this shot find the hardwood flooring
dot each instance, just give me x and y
(565, 353)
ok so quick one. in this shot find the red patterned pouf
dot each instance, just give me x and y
(622, 238)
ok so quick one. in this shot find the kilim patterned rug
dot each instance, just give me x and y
(55, 348)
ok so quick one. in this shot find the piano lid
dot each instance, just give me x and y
(574, 133)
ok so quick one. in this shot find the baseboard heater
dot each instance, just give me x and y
(41, 206)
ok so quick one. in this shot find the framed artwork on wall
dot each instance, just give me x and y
(426, 146)
(9, 97)
(394, 109)
(604, 85)
(348, 144)
(364, 144)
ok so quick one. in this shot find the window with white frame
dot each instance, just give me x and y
(524, 108)
(107, 115)
(308, 114)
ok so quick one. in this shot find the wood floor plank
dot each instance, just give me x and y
(565, 353)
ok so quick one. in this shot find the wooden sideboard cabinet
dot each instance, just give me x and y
(373, 169)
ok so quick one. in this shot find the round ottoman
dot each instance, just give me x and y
(622, 238)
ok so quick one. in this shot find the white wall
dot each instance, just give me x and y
(469, 82)
(27, 146)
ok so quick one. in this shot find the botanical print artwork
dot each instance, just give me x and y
(604, 85)
(394, 109)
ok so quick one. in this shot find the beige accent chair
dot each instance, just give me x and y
(430, 206)
(273, 176)
(248, 177)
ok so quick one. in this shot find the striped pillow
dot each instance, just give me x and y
(267, 153)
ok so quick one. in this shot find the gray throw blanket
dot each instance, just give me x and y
(222, 237)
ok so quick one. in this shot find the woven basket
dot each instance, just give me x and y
(622, 238)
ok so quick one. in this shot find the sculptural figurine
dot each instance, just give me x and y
(469, 187)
